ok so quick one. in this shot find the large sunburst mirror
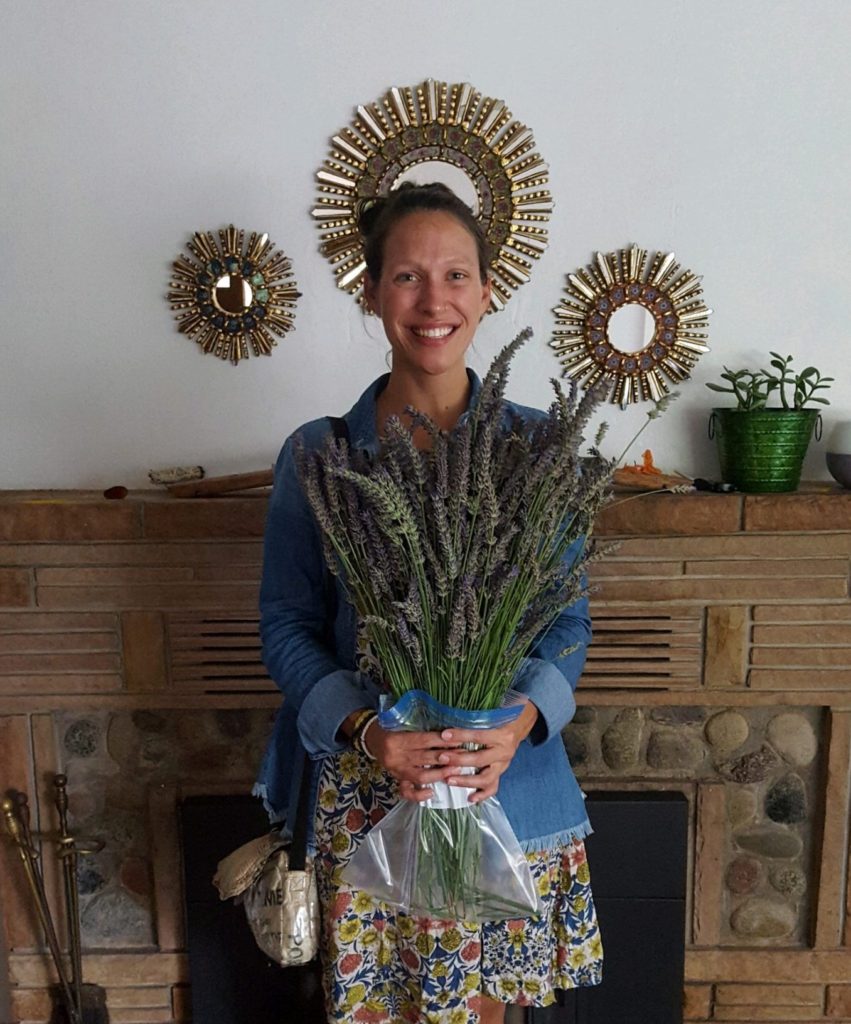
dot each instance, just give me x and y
(437, 131)
(231, 294)
(633, 322)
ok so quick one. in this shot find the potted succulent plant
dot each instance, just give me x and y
(762, 449)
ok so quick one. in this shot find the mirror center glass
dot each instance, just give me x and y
(232, 293)
(631, 328)
(450, 175)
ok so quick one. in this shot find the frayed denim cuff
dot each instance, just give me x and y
(551, 694)
(327, 705)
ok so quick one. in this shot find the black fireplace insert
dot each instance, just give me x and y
(637, 856)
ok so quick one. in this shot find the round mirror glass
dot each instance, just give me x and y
(232, 293)
(631, 328)
(450, 175)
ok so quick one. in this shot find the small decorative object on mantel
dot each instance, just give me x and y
(175, 474)
(646, 476)
(232, 294)
(632, 322)
(214, 485)
(839, 453)
(762, 449)
(438, 132)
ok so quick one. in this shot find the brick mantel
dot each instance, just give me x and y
(117, 588)
(78, 516)
(708, 602)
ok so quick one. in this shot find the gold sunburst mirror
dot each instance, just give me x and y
(437, 131)
(633, 322)
(230, 294)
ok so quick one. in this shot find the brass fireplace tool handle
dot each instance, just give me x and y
(68, 856)
(16, 816)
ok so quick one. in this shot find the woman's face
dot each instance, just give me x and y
(430, 296)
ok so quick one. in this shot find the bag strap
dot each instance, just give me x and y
(298, 847)
(340, 429)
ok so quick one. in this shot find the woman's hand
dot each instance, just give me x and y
(498, 748)
(410, 757)
(418, 759)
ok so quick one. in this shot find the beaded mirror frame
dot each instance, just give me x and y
(230, 294)
(437, 123)
(672, 297)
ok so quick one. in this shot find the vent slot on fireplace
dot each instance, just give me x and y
(220, 651)
(215, 651)
(639, 648)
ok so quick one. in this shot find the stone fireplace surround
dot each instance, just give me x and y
(721, 667)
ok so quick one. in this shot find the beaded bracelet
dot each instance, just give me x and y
(358, 722)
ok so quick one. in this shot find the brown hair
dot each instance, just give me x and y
(378, 217)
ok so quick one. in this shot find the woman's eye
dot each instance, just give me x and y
(406, 275)
(458, 275)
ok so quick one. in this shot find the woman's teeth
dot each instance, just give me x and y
(433, 332)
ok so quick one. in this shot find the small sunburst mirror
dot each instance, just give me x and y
(632, 322)
(438, 132)
(231, 295)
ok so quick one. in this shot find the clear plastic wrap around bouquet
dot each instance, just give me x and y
(446, 858)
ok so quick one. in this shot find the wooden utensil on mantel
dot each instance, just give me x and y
(213, 485)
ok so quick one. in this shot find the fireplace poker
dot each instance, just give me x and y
(16, 814)
(68, 856)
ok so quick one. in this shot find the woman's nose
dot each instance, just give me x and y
(433, 296)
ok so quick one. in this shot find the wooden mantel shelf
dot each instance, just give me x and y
(77, 516)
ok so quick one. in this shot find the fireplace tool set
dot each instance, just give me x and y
(79, 1003)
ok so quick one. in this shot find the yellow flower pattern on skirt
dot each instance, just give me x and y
(382, 966)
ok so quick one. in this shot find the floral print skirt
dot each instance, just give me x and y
(382, 966)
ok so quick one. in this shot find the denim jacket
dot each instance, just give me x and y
(322, 687)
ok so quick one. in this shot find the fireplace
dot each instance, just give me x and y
(719, 671)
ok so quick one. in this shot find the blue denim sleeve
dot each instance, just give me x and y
(293, 610)
(548, 680)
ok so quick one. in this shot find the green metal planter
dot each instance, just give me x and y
(763, 451)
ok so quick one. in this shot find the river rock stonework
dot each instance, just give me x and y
(113, 760)
(621, 741)
(763, 919)
(768, 766)
(765, 762)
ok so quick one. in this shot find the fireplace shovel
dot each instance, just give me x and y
(89, 1000)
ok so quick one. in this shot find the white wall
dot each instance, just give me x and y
(717, 129)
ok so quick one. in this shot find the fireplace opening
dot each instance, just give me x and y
(637, 856)
(232, 982)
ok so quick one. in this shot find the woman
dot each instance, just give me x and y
(427, 280)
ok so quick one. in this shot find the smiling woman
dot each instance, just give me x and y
(430, 296)
(427, 279)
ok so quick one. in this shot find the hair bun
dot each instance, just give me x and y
(367, 212)
(375, 217)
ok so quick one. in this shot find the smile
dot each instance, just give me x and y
(432, 332)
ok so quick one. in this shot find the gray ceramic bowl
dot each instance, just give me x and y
(839, 467)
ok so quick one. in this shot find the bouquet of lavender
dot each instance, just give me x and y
(457, 558)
